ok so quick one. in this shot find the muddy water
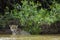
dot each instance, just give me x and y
(31, 37)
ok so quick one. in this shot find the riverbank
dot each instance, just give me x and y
(30, 37)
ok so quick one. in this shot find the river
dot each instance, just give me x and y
(30, 37)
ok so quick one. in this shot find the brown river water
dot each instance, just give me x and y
(30, 37)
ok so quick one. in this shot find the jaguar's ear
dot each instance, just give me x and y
(9, 25)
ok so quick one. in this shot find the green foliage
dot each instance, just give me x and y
(58, 1)
(31, 19)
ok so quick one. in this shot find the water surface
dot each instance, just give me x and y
(30, 37)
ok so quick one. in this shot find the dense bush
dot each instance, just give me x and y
(58, 1)
(11, 4)
(8, 3)
(30, 18)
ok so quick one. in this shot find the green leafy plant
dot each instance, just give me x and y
(31, 19)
